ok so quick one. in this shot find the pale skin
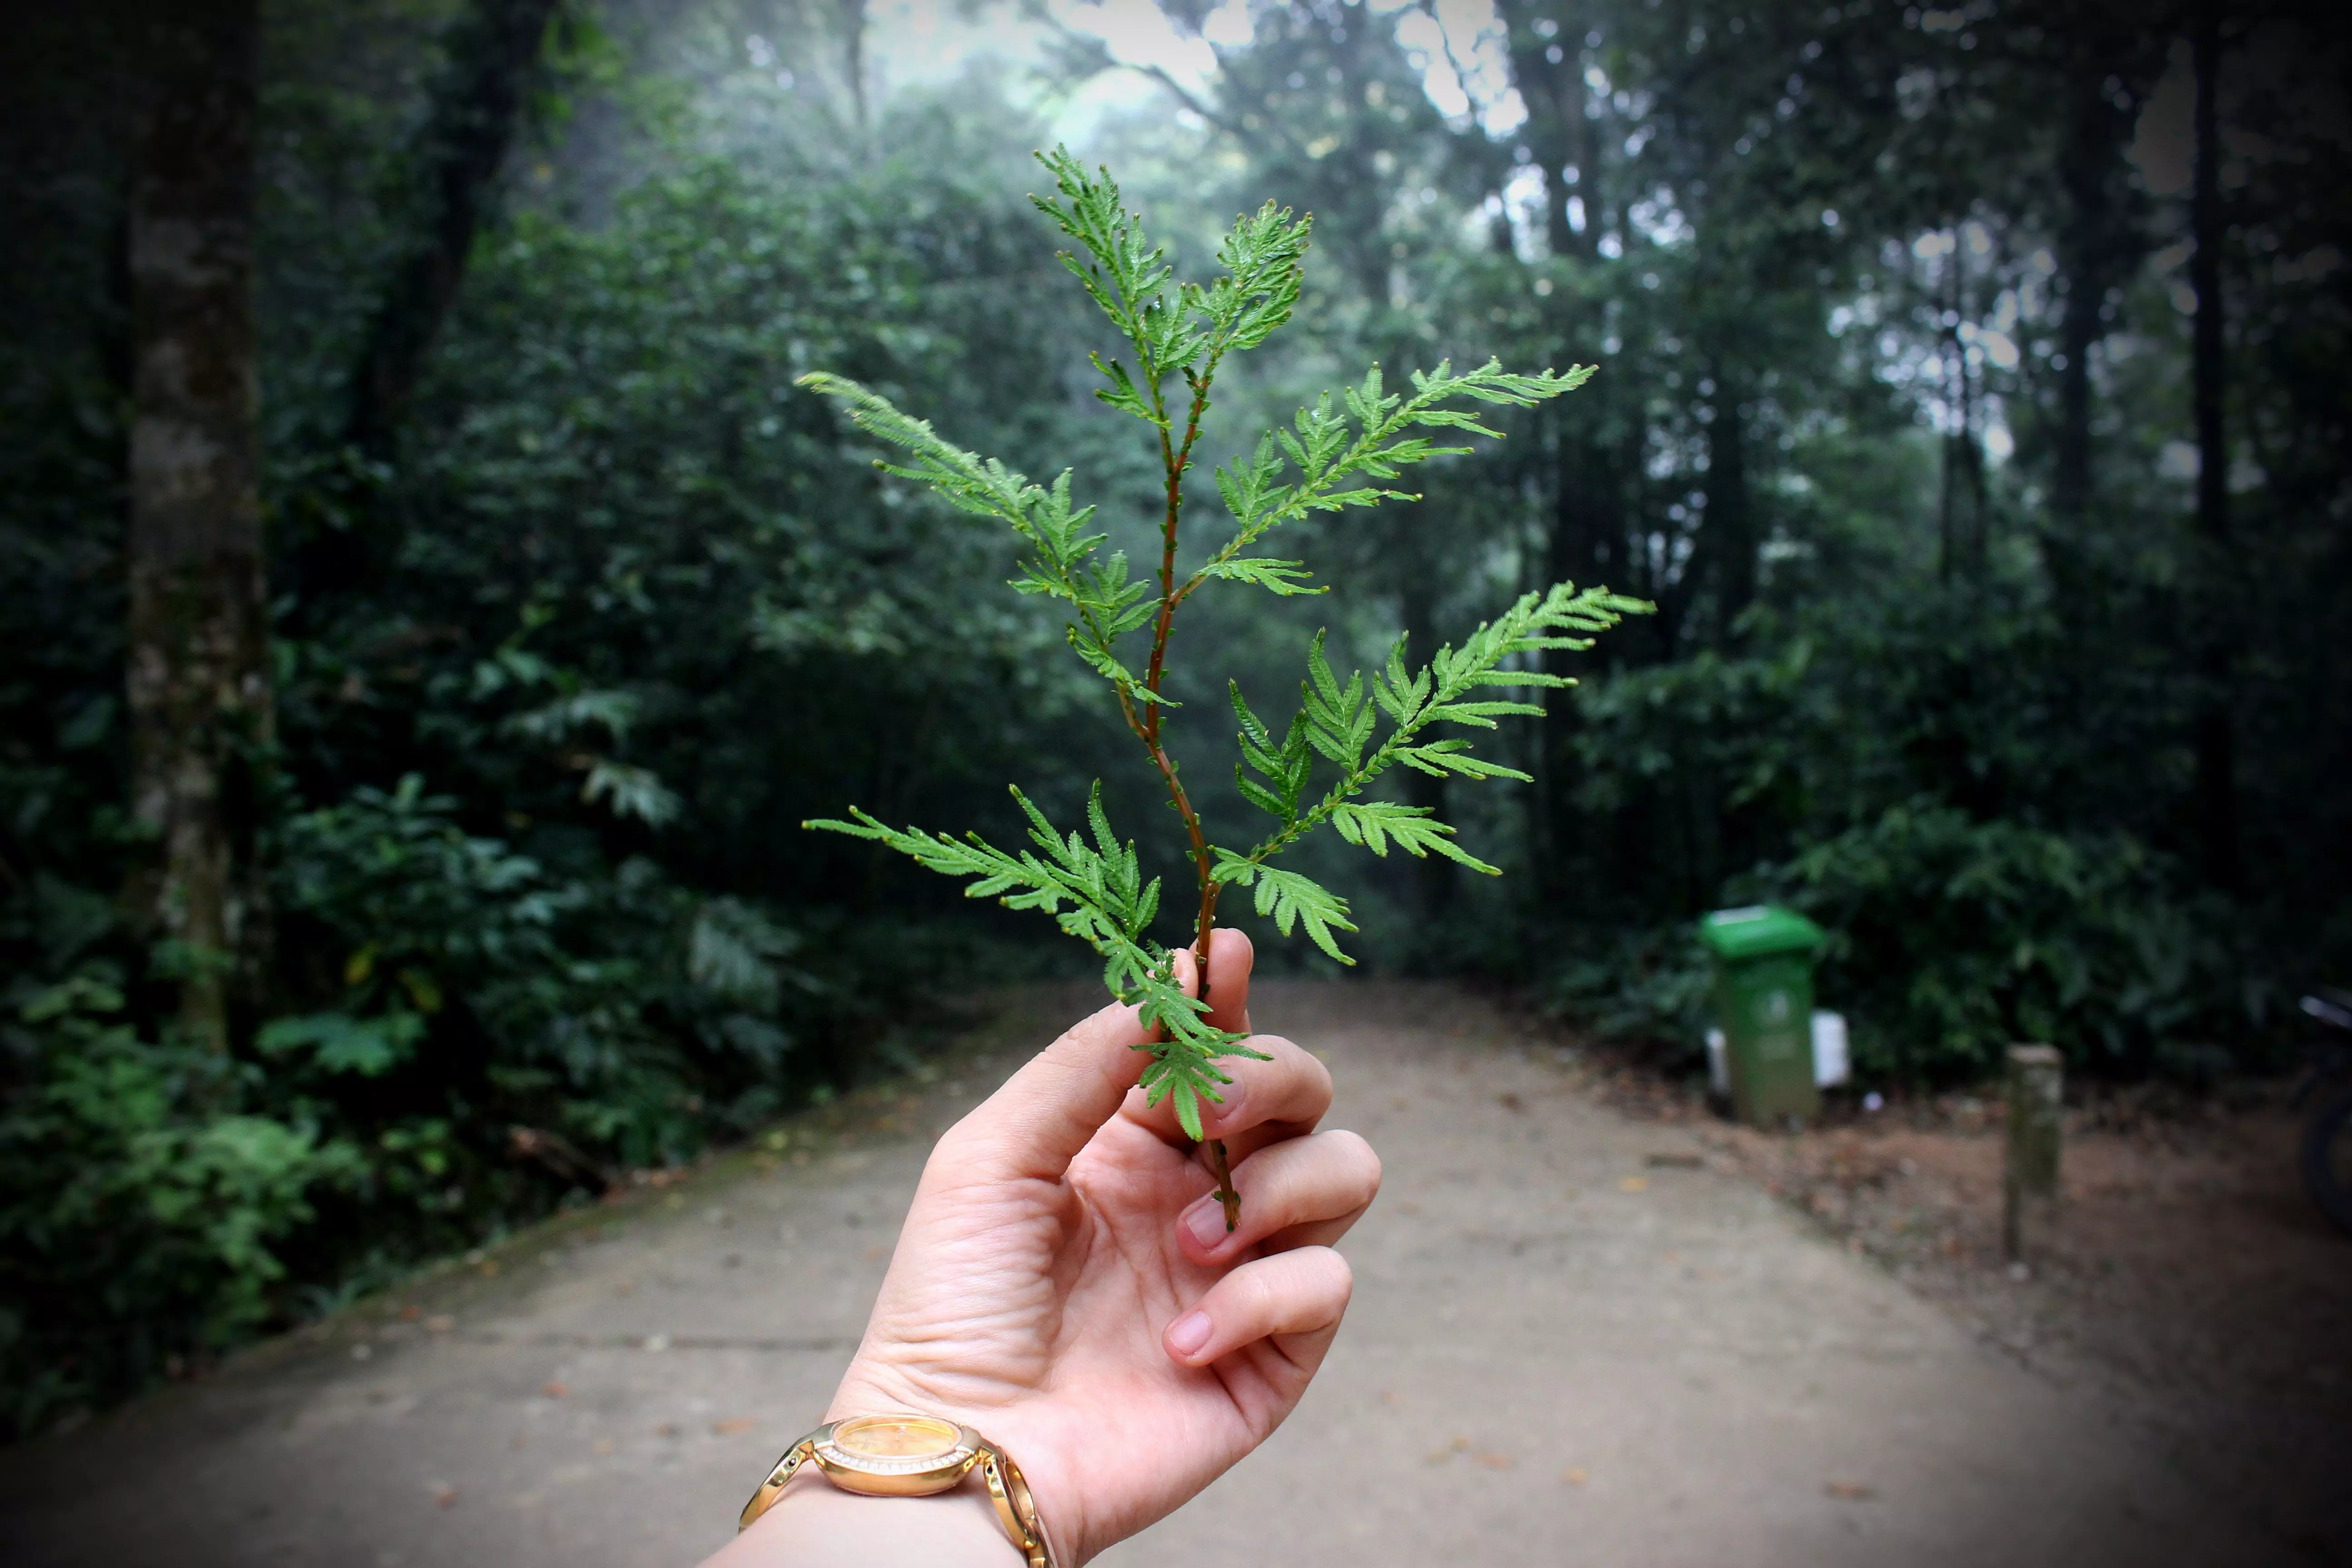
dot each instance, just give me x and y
(1065, 1285)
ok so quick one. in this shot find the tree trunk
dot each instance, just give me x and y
(851, 18)
(1583, 521)
(2083, 244)
(1948, 509)
(1976, 526)
(2088, 256)
(2214, 738)
(493, 55)
(202, 720)
(1558, 134)
(1728, 516)
(2099, 243)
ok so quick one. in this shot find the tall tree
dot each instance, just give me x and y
(2215, 739)
(850, 18)
(1960, 503)
(493, 56)
(198, 678)
(1730, 524)
(2103, 66)
(1547, 57)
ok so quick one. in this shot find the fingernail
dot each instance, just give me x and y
(1187, 1333)
(1206, 1221)
(1229, 1101)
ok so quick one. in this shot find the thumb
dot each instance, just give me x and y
(1230, 957)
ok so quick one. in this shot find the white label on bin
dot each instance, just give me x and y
(1831, 1062)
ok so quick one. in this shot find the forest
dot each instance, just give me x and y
(430, 605)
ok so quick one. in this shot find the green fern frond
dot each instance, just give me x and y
(1291, 898)
(1415, 829)
(1343, 451)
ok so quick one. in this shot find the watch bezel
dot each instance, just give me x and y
(916, 1476)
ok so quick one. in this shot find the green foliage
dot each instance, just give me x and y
(142, 1206)
(1957, 938)
(1884, 770)
(1185, 330)
(541, 681)
(1938, 688)
(618, 1009)
(1339, 723)
(341, 1042)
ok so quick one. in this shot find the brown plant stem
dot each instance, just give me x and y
(1231, 1199)
(1227, 1195)
(1175, 457)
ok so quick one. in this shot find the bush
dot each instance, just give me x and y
(158, 1203)
(1953, 938)
(609, 1002)
(456, 989)
(142, 1203)
(1654, 986)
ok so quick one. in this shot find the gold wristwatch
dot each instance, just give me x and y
(911, 1456)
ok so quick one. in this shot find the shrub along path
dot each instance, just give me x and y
(1571, 1343)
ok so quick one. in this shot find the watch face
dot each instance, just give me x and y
(897, 1438)
(897, 1452)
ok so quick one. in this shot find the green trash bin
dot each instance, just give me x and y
(1764, 1005)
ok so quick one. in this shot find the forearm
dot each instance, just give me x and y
(814, 1525)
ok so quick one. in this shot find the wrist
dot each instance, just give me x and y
(815, 1522)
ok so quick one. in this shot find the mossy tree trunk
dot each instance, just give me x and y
(199, 671)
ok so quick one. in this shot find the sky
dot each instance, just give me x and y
(1460, 48)
(1458, 43)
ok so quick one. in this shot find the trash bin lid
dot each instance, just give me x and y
(1758, 929)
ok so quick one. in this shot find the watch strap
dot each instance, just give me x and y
(786, 1468)
(1015, 1509)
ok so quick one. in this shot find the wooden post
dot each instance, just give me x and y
(2035, 1084)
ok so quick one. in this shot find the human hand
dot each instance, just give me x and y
(1065, 1283)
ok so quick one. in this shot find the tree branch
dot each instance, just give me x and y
(493, 57)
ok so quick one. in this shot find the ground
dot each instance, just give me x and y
(1579, 1335)
(2184, 1280)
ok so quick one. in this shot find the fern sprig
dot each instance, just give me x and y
(1185, 329)
(1562, 618)
(1325, 456)
(1096, 892)
(1336, 454)
(1110, 602)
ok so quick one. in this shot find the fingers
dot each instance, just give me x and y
(1302, 1192)
(1047, 1111)
(1035, 1125)
(1292, 1293)
(1230, 960)
(1267, 1101)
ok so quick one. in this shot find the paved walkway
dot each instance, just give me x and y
(1570, 1344)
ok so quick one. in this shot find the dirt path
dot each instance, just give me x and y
(1572, 1343)
(2186, 1283)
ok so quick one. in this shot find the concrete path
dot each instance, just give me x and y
(1569, 1343)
